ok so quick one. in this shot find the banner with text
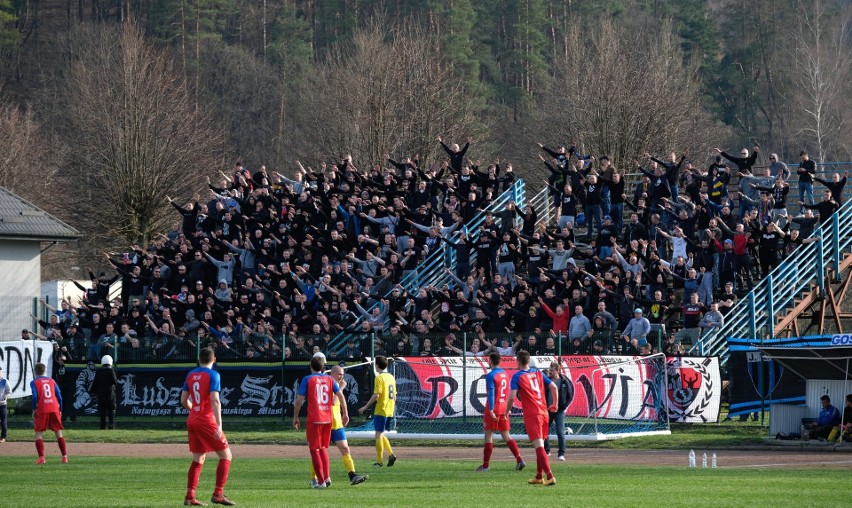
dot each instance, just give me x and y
(621, 388)
(18, 358)
(614, 387)
(247, 390)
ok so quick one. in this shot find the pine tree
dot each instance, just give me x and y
(454, 21)
(8, 16)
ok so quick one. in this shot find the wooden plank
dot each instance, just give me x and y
(790, 320)
(836, 311)
(794, 313)
(845, 286)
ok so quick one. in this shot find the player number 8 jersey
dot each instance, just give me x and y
(385, 386)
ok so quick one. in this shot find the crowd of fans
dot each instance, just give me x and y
(273, 267)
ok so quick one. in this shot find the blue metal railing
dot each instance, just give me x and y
(757, 311)
(797, 275)
(542, 203)
(431, 271)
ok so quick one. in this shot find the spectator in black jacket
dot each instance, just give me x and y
(455, 153)
(659, 187)
(806, 171)
(189, 212)
(825, 208)
(745, 161)
(835, 186)
(672, 171)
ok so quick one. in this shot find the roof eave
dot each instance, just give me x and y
(41, 238)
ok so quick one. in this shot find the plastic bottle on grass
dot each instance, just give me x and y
(704, 460)
(691, 458)
(714, 461)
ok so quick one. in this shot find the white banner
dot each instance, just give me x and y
(614, 387)
(18, 359)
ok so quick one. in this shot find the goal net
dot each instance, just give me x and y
(613, 397)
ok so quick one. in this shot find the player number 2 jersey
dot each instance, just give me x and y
(200, 383)
(319, 389)
(531, 386)
(497, 385)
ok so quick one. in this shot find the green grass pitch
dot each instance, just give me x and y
(116, 481)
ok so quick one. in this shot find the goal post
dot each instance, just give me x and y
(613, 397)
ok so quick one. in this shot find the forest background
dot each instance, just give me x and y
(109, 106)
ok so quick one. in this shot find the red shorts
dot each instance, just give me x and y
(499, 425)
(319, 435)
(537, 427)
(202, 437)
(45, 421)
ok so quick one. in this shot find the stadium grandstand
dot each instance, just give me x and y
(458, 260)
(415, 260)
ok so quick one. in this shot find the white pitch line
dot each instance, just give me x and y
(790, 464)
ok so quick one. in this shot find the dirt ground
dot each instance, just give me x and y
(759, 458)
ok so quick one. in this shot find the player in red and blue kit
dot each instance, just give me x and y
(47, 411)
(528, 386)
(319, 389)
(495, 418)
(200, 396)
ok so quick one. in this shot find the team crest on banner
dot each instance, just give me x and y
(693, 389)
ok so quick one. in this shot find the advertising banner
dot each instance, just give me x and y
(615, 387)
(246, 390)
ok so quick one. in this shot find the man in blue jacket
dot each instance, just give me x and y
(829, 417)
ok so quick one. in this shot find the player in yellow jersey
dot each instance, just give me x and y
(338, 433)
(384, 395)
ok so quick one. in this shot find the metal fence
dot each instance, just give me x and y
(754, 314)
(758, 313)
(15, 316)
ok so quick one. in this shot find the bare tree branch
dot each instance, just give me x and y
(389, 92)
(822, 68)
(137, 137)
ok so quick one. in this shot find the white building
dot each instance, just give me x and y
(26, 232)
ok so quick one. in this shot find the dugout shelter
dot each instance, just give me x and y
(825, 370)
